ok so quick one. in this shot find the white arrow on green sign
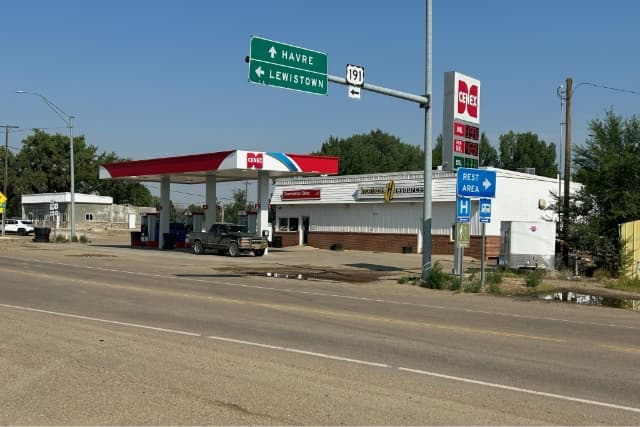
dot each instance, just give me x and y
(290, 67)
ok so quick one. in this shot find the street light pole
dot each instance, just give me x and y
(68, 120)
(6, 175)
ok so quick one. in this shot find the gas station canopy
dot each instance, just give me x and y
(231, 165)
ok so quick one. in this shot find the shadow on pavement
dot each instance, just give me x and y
(210, 275)
(373, 267)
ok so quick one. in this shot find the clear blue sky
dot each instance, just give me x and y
(157, 78)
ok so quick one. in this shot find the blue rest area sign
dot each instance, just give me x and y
(485, 210)
(463, 209)
(476, 183)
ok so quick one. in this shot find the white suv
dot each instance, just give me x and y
(19, 226)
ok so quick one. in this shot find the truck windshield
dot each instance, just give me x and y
(236, 229)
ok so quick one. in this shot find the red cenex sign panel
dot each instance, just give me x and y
(461, 121)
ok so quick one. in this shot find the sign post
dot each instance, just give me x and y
(287, 66)
(3, 210)
(473, 183)
(485, 217)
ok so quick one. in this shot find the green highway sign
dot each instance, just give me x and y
(288, 55)
(290, 67)
(286, 77)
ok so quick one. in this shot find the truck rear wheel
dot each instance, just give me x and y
(198, 248)
(233, 249)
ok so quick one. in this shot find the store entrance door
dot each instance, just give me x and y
(305, 230)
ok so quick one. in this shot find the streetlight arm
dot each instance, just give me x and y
(67, 118)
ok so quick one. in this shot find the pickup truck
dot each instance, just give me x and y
(229, 238)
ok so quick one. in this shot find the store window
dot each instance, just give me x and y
(288, 224)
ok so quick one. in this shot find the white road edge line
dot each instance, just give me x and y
(95, 319)
(521, 390)
(305, 352)
(339, 358)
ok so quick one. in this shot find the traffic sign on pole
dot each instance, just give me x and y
(485, 210)
(353, 92)
(476, 183)
(463, 209)
(287, 66)
(355, 75)
(463, 236)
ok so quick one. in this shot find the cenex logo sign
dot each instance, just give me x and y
(467, 99)
(254, 160)
(467, 92)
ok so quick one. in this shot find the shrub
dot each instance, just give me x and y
(625, 284)
(545, 288)
(60, 239)
(84, 239)
(493, 277)
(494, 288)
(534, 278)
(454, 283)
(601, 274)
(472, 286)
(437, 279)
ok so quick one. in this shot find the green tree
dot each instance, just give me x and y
(488, 154)
(239, 204)
(526, 150)
(42, 166)
(376, 151)
(122, 191)
(607, 167)
(436, 153)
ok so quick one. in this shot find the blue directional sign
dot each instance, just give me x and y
(476, 183)
(463, 209)
(485, 210)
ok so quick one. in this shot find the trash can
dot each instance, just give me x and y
(276, 242)
(168, 241)
(136, 238)
(41, 234)
(179, 232)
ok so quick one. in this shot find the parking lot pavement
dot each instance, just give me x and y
(350, 264)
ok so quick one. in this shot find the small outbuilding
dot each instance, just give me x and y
(91, 210)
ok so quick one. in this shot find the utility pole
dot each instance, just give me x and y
(6, 175)
(567, 171)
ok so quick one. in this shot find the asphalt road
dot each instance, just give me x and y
(112, 337)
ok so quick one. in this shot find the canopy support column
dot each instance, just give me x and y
(165, 208)
(211, 201)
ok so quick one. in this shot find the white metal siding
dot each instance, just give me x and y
(340, 210)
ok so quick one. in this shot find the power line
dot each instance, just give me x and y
(563, 95)
(607, 87)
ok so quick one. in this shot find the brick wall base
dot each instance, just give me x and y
(398, 243)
